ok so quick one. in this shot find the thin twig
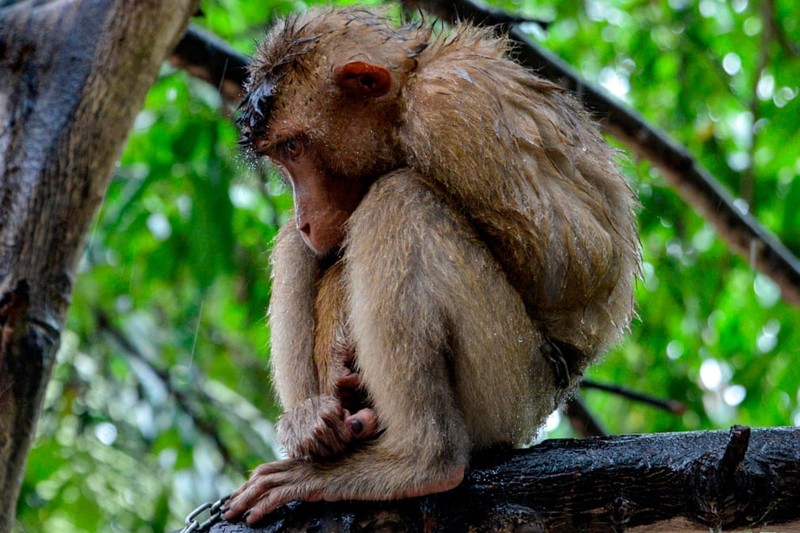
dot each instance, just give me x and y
(474, 12)
(774, 24)
(672, 406)
(582, 421)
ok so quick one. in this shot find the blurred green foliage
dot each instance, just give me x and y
(161, 396)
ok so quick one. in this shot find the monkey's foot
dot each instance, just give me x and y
(278, 483)
(348, 379)
(349, 390)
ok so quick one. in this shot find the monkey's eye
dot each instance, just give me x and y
(291, 148)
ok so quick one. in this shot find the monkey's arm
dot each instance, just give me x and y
(308, 417)
(295, 271)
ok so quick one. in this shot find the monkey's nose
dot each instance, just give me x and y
(305, 233)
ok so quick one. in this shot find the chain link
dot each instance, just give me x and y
(215, 511)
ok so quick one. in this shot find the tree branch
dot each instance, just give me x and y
(472, 11)
(581, 420)
(740, 479)
(206, 56)
(672, 406)
(743, 233)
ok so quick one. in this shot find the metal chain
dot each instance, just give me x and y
(215, 511)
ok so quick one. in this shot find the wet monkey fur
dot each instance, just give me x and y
(462, 247)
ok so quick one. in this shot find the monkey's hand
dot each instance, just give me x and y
(320, 428)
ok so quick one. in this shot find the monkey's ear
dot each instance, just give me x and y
(358, 78)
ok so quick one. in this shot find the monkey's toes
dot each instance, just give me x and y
(236, 507)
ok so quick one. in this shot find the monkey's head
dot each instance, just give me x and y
(324, 102)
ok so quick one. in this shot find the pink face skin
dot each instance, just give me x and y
(322, 203)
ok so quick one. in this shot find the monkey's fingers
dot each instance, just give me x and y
(362, 424)
(348, 380)
(329, 440)
(332, 426)
(256, 488)
(233, 496)
(315, 429)
(239, 502)
(280, 495)
(322, 442)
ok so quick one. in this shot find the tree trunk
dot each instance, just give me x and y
(664, 482)
(73, 75)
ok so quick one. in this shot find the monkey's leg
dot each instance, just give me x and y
(335, 354)
(421, 279)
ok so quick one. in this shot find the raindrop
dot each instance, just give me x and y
(674, 349)
(767, 292)
(732, 63)
(765, 87)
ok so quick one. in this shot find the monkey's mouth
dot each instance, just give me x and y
(329, 257)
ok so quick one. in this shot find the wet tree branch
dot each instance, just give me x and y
(73, 76)
(718, 480)
(209, 58)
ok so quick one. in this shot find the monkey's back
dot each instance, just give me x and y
(527, 167)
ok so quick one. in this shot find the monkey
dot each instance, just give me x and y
(462, 246)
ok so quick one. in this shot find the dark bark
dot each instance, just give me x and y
(665, 482)
(73, 75)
